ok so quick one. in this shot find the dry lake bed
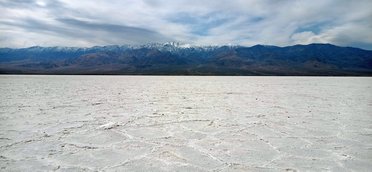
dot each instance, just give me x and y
(185, 123)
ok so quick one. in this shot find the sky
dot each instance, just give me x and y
(85, 23)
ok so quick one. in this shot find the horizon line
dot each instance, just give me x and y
(182, 45)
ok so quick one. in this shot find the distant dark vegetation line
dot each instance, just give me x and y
(173, 59)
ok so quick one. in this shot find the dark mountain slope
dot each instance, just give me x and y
(172, 59)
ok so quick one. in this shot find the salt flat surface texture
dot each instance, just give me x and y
(185, 123)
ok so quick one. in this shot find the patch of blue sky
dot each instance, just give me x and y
(315, 28)
(200, 25)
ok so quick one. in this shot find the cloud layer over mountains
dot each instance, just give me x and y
(26, 23)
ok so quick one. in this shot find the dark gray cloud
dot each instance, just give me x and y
(18, 3)
(245, 22)
(32, 25)
(78, 29)
(132, 33)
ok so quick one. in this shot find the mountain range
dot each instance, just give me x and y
(182, 59)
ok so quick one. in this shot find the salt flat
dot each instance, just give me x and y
(185, 123)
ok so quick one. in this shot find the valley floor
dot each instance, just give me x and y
(185, 123)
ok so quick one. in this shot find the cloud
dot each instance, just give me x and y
(126, 33)
(201, 22)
